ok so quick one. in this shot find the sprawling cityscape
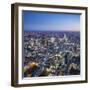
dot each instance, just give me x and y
(51, 53)
(51, 44)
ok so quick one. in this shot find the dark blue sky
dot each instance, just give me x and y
(36, 21)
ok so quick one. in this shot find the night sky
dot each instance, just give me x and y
(38, 21)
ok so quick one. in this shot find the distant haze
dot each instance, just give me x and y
(42, 21)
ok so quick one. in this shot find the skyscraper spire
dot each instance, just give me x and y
(65, 37)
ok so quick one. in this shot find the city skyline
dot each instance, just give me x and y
(38, 21)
